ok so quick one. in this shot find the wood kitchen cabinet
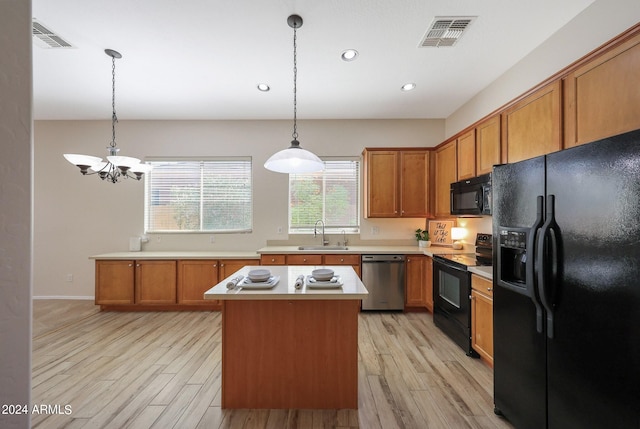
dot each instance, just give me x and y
(156, 282)
(303, 259)
(230, 266)
(195, 277)
(532, 126)
(115, 282)
(446, 163)
(467, 155)
(487, 145)
(482, 317)
(602, 97)
(353, 260)
(419, 282)
(396, 182)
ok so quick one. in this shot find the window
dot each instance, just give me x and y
(198, 195)
(332, 195)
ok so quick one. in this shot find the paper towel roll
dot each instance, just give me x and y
(231, 284)
(299, 282)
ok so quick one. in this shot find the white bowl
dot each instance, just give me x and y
(322, 274)
(259, 275)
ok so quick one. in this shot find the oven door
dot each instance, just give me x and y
(451, 303)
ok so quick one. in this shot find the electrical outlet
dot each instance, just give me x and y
(375, 230)
(69, 278)
(212, 239)
(279, 230)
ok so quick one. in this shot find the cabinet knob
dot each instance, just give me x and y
(131, 265)
(137, 265)
(489, 289)
(341, 259)
(222, 265)
(215, 265)
(470, 296)
(304, 260)
(273, 259)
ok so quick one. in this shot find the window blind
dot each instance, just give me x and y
(201, 195)
(332, 195)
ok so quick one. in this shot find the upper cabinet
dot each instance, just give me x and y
(602, 97)
(396, 182)
(467, 155)
(531, 126)
(487, 145)
(446, 173)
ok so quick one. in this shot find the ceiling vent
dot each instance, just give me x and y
(446, 31)
(46, 38)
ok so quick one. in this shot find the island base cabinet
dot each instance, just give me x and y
(290, 354)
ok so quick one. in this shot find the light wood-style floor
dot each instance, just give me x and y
(162, 370)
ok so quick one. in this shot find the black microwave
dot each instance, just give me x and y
(471, 197)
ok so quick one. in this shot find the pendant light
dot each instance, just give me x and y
(116, 167)
(294, 159)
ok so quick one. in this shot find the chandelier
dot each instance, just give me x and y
(116, 167)
(294, 159)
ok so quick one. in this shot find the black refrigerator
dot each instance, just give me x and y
(566, 230)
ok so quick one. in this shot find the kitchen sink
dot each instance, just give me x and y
(323, 248)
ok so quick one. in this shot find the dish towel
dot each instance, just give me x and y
(231, 284)
(299, 282)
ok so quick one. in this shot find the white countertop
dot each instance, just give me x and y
(218, 254)
(380, 250)
(483, 271)
(178, 254)
(352, 287)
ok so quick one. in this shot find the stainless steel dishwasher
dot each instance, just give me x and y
(383, 276)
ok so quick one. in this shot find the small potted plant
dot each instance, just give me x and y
(423, 237)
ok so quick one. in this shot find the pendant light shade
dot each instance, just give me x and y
(294, 159)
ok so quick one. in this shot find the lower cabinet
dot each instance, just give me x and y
(482, 317)
(162, 284)
(419, 282)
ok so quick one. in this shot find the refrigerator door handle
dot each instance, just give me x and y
(531, 271)
(545, 259)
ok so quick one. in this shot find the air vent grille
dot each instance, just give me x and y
(446, 31)
(46, 38)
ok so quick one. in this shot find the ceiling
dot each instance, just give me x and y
(202, 59)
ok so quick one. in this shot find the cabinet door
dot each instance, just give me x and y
(194, 279)
(487, 145)
(467, 155)
(415, 295)
(446, 174)
(114, 282)
(381, 187)
(482, 317)
(428, 283)
(414, 183)
(230, 266)
(602, 98)
(156, 282)
(531, 127)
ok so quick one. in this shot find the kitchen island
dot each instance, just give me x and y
(290, 348)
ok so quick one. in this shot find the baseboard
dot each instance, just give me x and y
(65, 297)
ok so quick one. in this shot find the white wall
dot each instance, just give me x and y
(15, 209)
(76, 216)
(599, 23)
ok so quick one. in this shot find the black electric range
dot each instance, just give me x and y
(452, 288)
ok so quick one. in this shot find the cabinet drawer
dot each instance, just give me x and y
(482, 285)
(342, 259)
(304, 259)
(272, 260)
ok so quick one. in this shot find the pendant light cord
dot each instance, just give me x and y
(295, 88)
(114, 118)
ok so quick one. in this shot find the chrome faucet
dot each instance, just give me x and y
(344, 237)
(315, 232)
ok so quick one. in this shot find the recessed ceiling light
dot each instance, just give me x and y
(408, 86)
(349, 55)
(263, 87)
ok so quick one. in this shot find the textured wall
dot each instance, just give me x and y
(15, 210)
